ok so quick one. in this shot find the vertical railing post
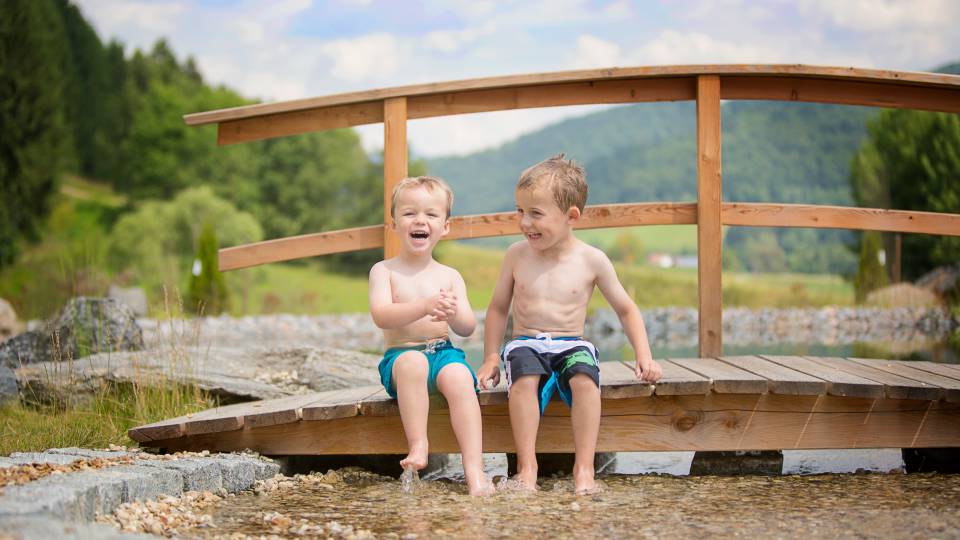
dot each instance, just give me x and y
(394, 163)
(709, 233)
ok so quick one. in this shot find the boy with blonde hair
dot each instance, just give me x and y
(416, 301)
(549, 278)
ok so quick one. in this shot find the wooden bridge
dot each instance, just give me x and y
(710, 403)
(726, 403)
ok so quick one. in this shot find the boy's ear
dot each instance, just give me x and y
(446, 227)
(393, 224)
(573, 214)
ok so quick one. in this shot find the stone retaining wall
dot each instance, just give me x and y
(64, 505)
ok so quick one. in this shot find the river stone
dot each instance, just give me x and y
(198, 474)
(84, 326)
(8, 385)
(132, 297)
(47, 527)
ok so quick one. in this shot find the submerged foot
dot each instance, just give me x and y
(517, 483)
(416, 459)
(584, 482)
(409, 480)
(479, 485)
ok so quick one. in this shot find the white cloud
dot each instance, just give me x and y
(675, 47)
(592, 51)
(371, 57)
(451, 41)
(879, 15)
(139, 23)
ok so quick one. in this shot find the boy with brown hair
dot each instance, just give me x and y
(549, 278)
(416, 301)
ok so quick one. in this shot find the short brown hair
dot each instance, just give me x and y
(429, 182)
(565, 178)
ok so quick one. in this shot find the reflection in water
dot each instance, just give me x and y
(834, 506)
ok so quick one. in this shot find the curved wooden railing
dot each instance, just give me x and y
(707, 84)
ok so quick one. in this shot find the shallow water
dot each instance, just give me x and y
(649, 506)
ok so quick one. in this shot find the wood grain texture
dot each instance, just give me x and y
(781, 379)
(950, 386)
(295, 122)
(839, 383)
(678, 380)
(740, 78)
(299, 247)
(839, 217)
(619, 381)
(394, 164)
(895, 386)
(725, 378)
(709, 232)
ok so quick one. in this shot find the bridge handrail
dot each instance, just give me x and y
(706, 84)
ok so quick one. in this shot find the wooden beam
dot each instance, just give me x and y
(295, 122)
(298, 247)
(843, 92)
(530, 97)
(394, 164)
(745, 74)
(656, 423)
(709, 234)
(839, 217)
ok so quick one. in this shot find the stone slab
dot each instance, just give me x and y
(91, 454)
(24, 458)
(48, 527)
(198, 474)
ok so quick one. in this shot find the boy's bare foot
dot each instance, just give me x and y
(526, 480)
(417, 458)
(583, 481)
(481, 488)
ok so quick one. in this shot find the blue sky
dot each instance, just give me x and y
(287, 49)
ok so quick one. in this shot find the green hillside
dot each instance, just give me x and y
(772, 152)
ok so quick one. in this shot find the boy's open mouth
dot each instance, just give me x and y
(533, 236)
(422, 235)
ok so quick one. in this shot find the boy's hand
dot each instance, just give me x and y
(648, 370)
(488, 376)
(444, 307)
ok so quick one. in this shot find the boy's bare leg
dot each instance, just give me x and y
(585, 417)
(525, 421)
(456, 384)
(410, 378)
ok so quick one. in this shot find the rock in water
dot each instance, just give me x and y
(84, 326)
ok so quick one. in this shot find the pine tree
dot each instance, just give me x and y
(208, 292)
(34, 141)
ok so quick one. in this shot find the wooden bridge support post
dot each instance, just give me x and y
(394, 163)
(709, 233)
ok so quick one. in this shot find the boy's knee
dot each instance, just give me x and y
(411, 364)
(525, 384)
(454, 377)
(581, 382)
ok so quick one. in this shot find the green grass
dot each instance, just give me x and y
(97, 423)
(674, 239)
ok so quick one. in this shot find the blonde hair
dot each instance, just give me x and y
(431, 183)
(565, 178)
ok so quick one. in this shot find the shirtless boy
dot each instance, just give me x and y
(549, 278)
(416, 300)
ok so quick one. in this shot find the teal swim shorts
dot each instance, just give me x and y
(438, 355)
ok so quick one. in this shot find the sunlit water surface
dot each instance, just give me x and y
(631, 506)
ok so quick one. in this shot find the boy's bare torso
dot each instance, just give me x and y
(409, 284)
(551, 293)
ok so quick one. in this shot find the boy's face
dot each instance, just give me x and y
(541, 220)
(420, 219)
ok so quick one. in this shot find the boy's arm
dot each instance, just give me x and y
(464, 322)
(386, 314)
(496, 323)
(610, 287)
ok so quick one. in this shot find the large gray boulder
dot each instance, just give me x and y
(84, 326)
(237, 374)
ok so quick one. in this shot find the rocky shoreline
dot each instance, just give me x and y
(666, 327)
(60, 492)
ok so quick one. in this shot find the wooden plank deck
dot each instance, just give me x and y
(726, 403)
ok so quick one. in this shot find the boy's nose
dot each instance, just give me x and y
(524, 221)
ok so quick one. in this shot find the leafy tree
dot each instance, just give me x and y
(208, 292)
(912, 162)
(33, 141)
(870, 274)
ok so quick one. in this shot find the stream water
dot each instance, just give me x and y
(356, 504)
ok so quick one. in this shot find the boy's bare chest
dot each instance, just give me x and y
(405, 288)
(558, 280)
